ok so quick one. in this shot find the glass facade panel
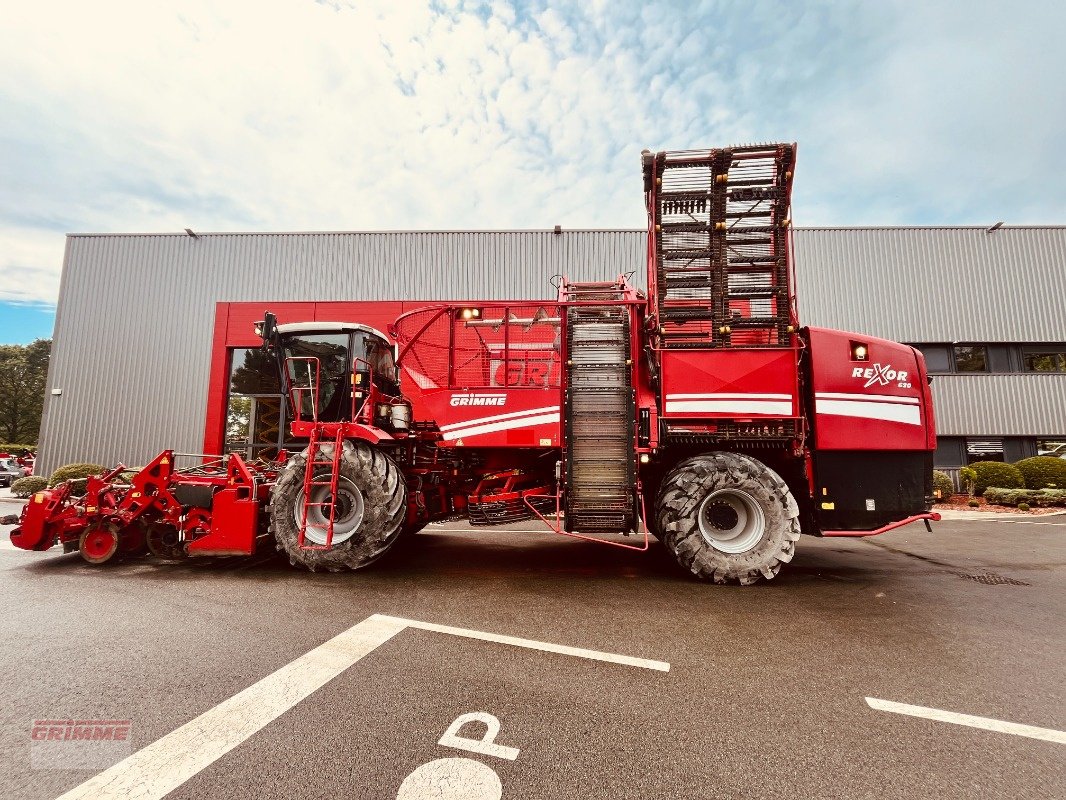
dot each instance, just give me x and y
(937, 357)
(255, 416)
(253, 371)
(1045, 362)
(971, 358)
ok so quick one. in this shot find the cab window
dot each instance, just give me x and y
(331, 350)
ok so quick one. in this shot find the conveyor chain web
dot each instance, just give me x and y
(721, 260)
(599, 420)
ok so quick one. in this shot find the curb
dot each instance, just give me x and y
(994, 515)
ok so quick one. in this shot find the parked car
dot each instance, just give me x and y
(10, 471)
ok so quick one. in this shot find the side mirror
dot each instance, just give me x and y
(266, 329)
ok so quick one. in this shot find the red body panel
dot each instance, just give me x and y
(493, 381)
(880, 403)
(503, 417)
(732, 384)
(234, 521)
(33, 532)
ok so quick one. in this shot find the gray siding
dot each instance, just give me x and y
(136, 312)
(1000, 405)
(935, 284)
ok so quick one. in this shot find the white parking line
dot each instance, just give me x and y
(988, 724)
(548, 647)
(1031, 522)
(159, 768)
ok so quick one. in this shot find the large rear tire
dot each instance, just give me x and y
(727, 517)
(371, 506)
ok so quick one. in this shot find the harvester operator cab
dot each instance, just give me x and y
(330, 370)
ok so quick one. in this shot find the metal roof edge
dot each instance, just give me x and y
(200, 234)
(984, 228)
(853, 228)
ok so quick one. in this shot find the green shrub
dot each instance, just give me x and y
(942, 485)
(967, 477)
(24, 487)
(997, 474)
(1041, 498)
(973, 503)
(76, 474)
(1043, 472)
(1023, 506)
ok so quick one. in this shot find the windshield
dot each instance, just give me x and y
(337, 355)
(334, 385)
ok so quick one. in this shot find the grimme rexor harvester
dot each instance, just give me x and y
(699, 411)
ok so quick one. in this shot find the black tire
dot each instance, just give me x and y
(727, 517)
(382, 499)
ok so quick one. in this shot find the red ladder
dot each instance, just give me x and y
(313, 449)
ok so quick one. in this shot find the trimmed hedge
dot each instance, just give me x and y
(1043, 498)
(1043, 472)
(18, 449)
(76, 474)
(31, 484)
(942, 484)
(996, 474)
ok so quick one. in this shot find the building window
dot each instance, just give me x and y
(1045, 362)
(937, 357)
(253, 371)
(984, 450)
(1051, 447)
(971, 358)
(255, 412)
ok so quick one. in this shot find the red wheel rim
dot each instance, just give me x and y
(98, 545)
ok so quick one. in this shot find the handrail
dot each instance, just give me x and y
(295, 392)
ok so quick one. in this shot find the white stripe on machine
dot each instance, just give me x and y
(503, 425)
(728, 396)
(495, 417)
(907, 413)
(725, 403)
(875, 398)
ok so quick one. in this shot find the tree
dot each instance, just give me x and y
(23, 376)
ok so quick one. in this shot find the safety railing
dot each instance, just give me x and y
(297, 392)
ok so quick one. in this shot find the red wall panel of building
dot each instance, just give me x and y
(234, 328)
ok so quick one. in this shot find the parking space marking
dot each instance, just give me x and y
(988, 724)
(1031, 522)
(158, 768)
(548, 647)
(162, 766)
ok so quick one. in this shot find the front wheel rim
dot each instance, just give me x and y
(731, 521)
(347, 518)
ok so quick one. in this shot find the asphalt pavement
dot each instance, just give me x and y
(765, 694)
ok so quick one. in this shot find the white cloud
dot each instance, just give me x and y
(133, 116)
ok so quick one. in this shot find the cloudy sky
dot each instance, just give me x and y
(225, 115)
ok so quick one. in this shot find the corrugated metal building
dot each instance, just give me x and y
(134, 328)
